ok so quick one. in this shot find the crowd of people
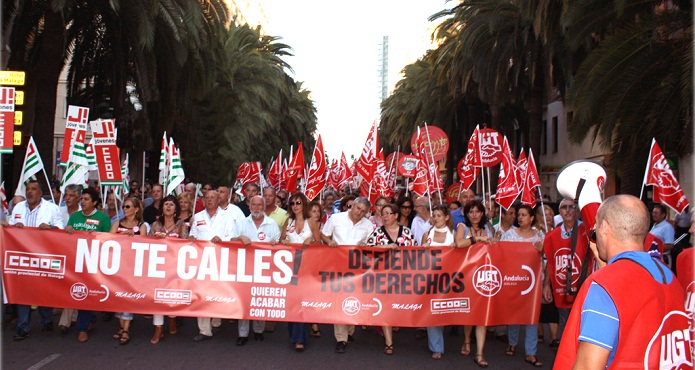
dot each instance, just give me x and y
(271, 216)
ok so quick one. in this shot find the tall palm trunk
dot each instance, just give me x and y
(41, 92)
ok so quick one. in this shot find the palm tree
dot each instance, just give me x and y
(636, 84)
(493, 44)
(252, 110)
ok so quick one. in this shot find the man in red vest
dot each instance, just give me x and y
(557, 247)
(630, 313)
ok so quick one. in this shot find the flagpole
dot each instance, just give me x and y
(397, 161)
(489, 182)
(142, 183)
(482, 168)
(47, 182)
(646, 170)
(545, 221)
(427, 131)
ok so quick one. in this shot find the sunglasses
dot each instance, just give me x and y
(128, 207)
(349, 206)
(295, 203)
(407, 207)
(283, 199)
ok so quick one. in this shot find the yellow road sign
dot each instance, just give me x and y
(12, 78)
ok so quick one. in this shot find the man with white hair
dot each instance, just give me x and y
(257, 227)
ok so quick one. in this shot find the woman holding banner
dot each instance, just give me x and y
(131, 224)
(390, 235)
(299, 228)
(168, 224)
(475, 229)
(440, 235)
(525, 233)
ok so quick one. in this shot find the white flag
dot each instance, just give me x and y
(32, 165)
(163, 163)
(176, 175)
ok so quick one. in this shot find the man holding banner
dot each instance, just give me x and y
(257, 227)
(42, 214)
(348, 228)
(215, 225)
(90, 219)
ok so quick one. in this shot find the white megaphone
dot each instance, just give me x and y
(583, 181)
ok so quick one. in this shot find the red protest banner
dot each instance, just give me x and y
(7, 108)
(75, 128)
(410, 286)
(104, 141)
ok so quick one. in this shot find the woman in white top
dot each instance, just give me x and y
(440, 235)
(476, 228)
(131, 224)
(526, 218)
(299, 228)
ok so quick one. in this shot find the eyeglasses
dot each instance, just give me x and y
(568, 207)
(295, 203)
(386, 214)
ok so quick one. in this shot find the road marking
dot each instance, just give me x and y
(44, 362)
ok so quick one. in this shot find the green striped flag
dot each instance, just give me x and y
(163, 163)
(91, 157)
(32, 165)
(176, 175)
(78, 166)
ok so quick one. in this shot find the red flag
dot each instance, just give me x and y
(419, 183)
(366, 165)
(468, 166)
(346, 172)
(666, 187)
(248, 172)
(295, 167)
(3, 199)
(507, 189)
(520, 169)
(531, 181)
(276, 176)
(434, 181)
(381, 178)
(316, 178)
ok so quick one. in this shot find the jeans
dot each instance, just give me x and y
(243, 326)
(84, 318)
(530, 339)
(563, 314)
(24, 317)
(435, 339)
(298, 332)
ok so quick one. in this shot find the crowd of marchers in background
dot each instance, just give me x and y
(335, 218)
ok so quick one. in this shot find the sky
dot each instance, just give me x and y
(336, 48)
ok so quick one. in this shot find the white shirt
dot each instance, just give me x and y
(46, 213)
(420, 227)
(234, 212)
(65, 214)
(220, 224)
(344, 232)
(266, 232)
